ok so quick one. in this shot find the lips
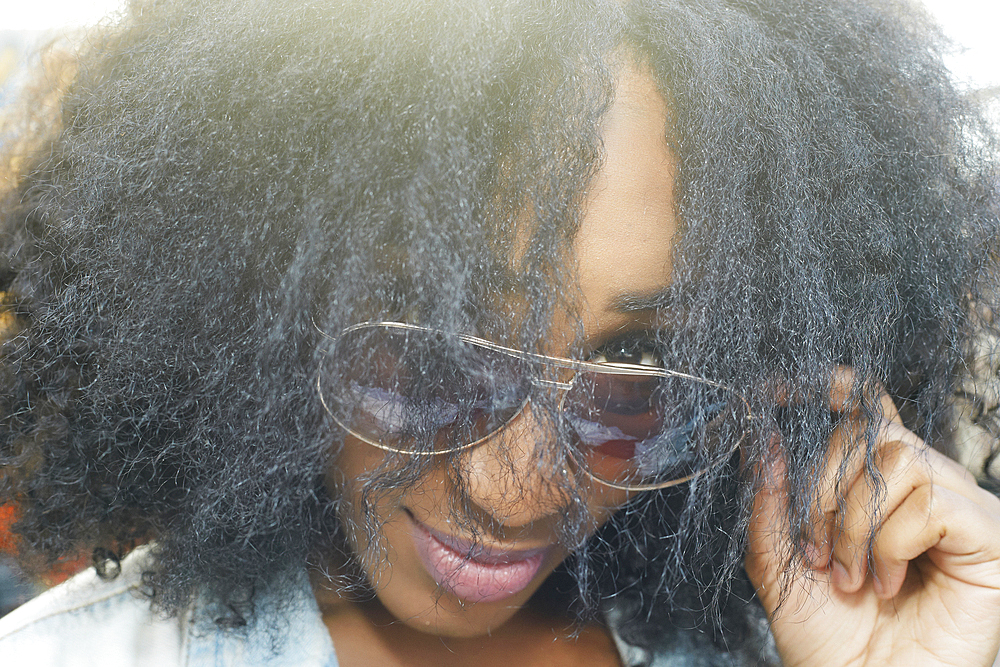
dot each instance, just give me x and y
(473, 573)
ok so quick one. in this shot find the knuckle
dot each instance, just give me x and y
(924, 498)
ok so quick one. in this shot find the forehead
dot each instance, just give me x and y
(621, 249)
(623, 245)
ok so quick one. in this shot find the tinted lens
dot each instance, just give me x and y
(421, 391)
(638, 431)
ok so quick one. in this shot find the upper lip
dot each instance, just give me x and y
(490, 554)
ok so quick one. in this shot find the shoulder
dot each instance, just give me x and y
(89, 621)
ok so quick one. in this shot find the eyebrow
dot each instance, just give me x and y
(630, 303)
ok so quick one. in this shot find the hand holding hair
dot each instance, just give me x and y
(906, 574)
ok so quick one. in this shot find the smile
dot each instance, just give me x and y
(475, 573)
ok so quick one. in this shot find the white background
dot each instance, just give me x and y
(975, 24)
(43, 14)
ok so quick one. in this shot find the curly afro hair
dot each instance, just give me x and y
(230, 180)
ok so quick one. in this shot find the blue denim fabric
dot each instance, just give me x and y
(90, 622)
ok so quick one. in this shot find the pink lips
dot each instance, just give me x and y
(475, 574)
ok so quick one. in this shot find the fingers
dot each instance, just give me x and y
(847, 454)
(857, 513)
(910, 471)
(946, 525)
(904, 548)
(933, 506)
(922, 496)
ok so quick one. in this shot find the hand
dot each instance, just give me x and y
(930, 592)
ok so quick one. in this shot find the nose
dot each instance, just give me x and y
(519, 476)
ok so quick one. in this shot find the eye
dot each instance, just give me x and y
(637, 348)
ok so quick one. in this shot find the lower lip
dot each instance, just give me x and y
(490, 579)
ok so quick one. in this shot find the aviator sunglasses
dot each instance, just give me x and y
(421, 391)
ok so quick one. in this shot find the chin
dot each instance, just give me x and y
(419, 603)
(453, 619)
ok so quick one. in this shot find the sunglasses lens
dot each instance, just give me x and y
(638, 431)
(416, 390)
(421, 391)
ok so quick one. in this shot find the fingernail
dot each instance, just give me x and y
(877, 585)
(841, 578)
(815, 556)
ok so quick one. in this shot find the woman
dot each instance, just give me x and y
(395, 332)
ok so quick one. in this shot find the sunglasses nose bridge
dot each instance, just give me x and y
(555, 385)
(539, 372)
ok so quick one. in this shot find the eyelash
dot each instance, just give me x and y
(635, 348)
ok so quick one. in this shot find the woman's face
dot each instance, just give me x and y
(423, 576)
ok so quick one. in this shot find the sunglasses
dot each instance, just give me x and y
(419, 391)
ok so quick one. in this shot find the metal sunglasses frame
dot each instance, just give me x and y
(562, 387)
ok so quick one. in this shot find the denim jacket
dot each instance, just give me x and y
(88, 621)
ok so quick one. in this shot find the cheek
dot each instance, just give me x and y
(374, 522)
(344, 480)
(601, 501)
(355, 462)
(338, 476)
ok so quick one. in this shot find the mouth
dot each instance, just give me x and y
(475, 573)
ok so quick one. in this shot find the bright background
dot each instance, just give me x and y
(975, 24)
(44, 14)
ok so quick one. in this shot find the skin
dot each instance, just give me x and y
(624, 238)
(930, 594)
